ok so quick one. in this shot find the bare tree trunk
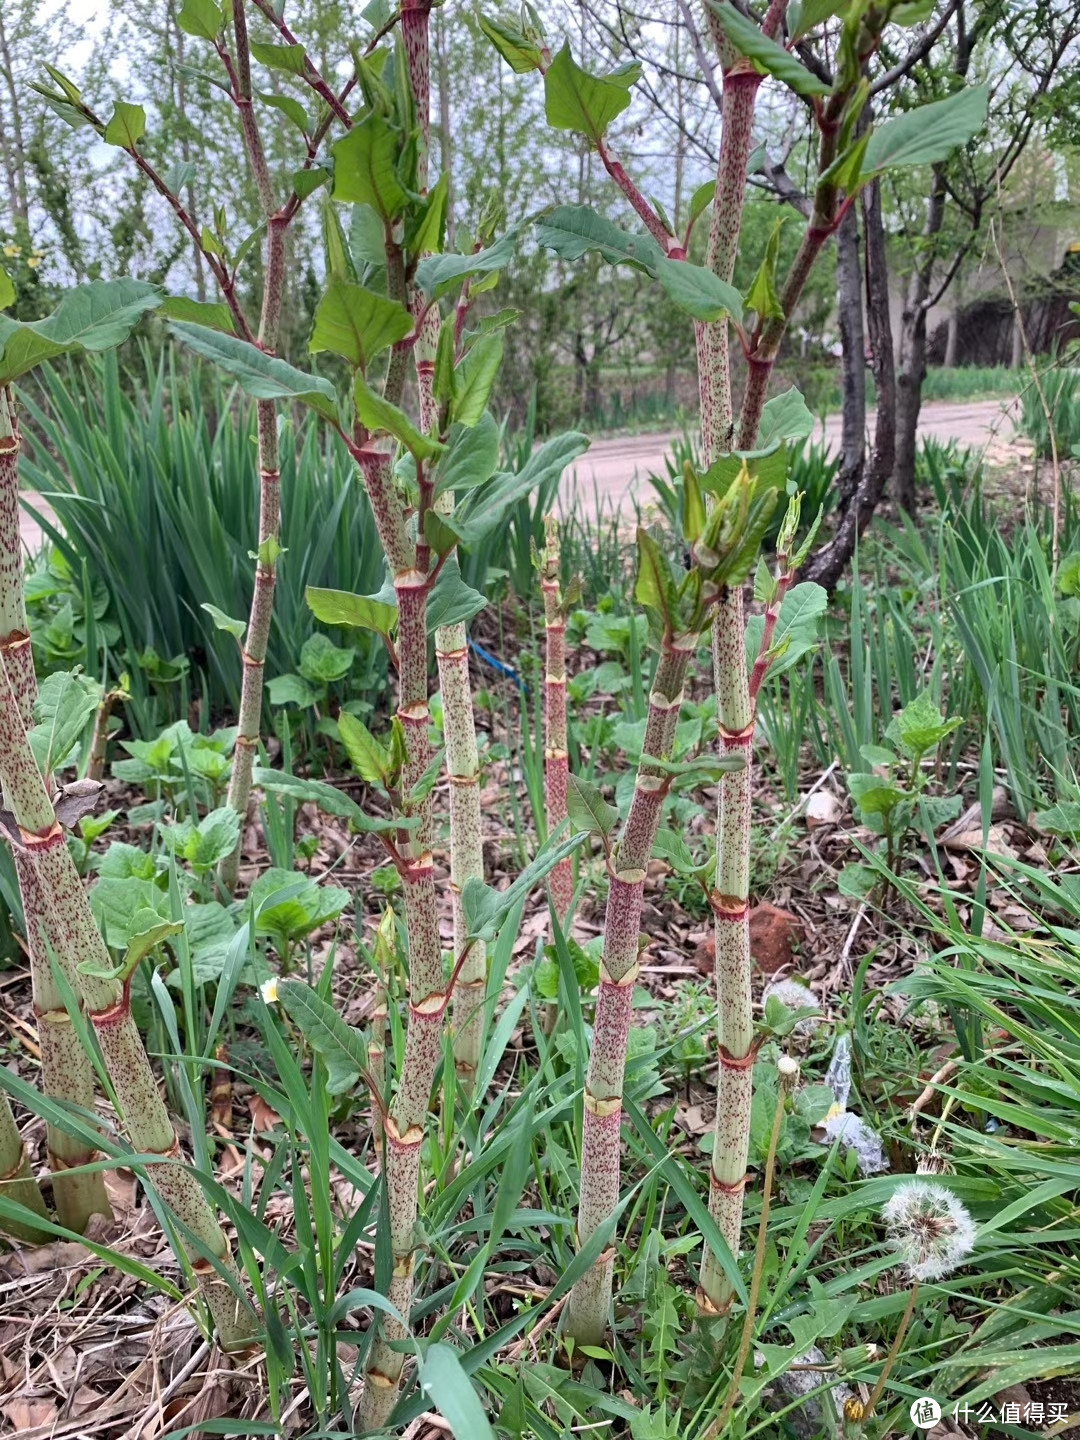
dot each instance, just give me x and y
(14, 148)
(853, 347)
(1016, 358)
(911, 370)
(952, 335)
(829, 564)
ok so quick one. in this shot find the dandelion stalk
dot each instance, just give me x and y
(894, 1352)
(66, 1072)
(932, 1233)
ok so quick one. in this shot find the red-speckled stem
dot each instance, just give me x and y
(66, 1072)
(76, 940)
(590, 1298)
(257, 636)
(713, 339)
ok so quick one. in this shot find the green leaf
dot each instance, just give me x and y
(322, 662)
(7, 290)
(201, 18)
(914, 12)
(785, 417)
(289, 906)
(342, 1048)
(452, 601)
(575, 100)
(587, 808)
(65, 705)
(1061, 819)
(474, 378)
(260, 375)
(291, 690)
(365, 167)
(213, 313)
(436, 274)
(290, 108)
(428, 234)
(573, 230)
(698, 291)
(655, 587)
(342, 607)
(762, 296)
(693, 504)
(673, 848)
(873, 796)
(1068, 576)
(484, 508)
(520, 52)
(224, 622)
(928, 134)
(769, 57)
(471, 455)
(287, 58)
(380, 416)
(486, 909)
(920, 727)
(356, 323)
(94, 317)
(328, 798)
(440, 532)
(701, 199)
(126, 127)
(798, 627)
(811, 13)
(367, 757)
(450, 1390)
(207, 843)
(307, 180)
(146, 939)
(269, 552)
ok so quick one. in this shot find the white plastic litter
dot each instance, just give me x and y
(812, 1415)
(840, 1124)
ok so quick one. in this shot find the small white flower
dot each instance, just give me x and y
(268, 990)
(930, 1230)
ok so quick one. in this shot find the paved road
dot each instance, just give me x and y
(613, 470)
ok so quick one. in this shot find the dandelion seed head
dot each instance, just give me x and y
(928, 1227)
(795, 995)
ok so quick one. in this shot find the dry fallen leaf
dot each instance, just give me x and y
(26, 1411)
(822, 808)
(996, 843)
(262, 1117)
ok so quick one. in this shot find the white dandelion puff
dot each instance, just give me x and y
(930, 1230)
(794, 995)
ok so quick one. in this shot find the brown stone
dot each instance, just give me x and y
(772, 934)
